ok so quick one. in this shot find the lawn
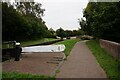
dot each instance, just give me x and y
(29, 42)
(110, 65)
(16, 76)
(69, 44)
(38, 41)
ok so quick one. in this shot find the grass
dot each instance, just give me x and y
(32, 42)
(69, 44)
(27, 43)
(16, 75)
(110, 65)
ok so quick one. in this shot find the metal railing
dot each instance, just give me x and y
(11, 49)
(8, 44)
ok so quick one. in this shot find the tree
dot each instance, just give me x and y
(60, 32)
(83, 26)
(21, 24)
(52, 31)
(30, 9)
(102, 20)
(69, 33)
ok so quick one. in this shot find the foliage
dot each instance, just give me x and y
(102, 20)
(16, 76)
(69, 44)
(68, 33)
(22, 21)
(30, 9)
(110, 65)
(38, 41)
(60, 32)
(52, 33)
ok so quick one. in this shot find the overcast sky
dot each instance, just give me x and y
(63, 13)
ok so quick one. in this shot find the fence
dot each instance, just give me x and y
(9, 50)
(8, 44)
(112, 47)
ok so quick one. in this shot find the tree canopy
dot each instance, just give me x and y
(60, 32)
(102, 20)
(68, 33)
(23, 21)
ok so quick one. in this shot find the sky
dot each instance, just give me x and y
(63, 13)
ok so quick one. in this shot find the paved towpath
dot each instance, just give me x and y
(81, 64)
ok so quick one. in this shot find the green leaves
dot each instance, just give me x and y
(60, 32)
(24, 22)
(102, 20)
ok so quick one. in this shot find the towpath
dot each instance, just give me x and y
(81, 64)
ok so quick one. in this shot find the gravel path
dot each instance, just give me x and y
(81, 64)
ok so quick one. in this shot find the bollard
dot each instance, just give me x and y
(18, 50)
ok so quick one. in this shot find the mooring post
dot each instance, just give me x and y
(18, 50)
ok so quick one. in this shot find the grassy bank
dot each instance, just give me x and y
(110, 65)
(15, 76)
(38, 41)
(69, 44)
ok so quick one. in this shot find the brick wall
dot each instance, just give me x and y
(112, 47)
